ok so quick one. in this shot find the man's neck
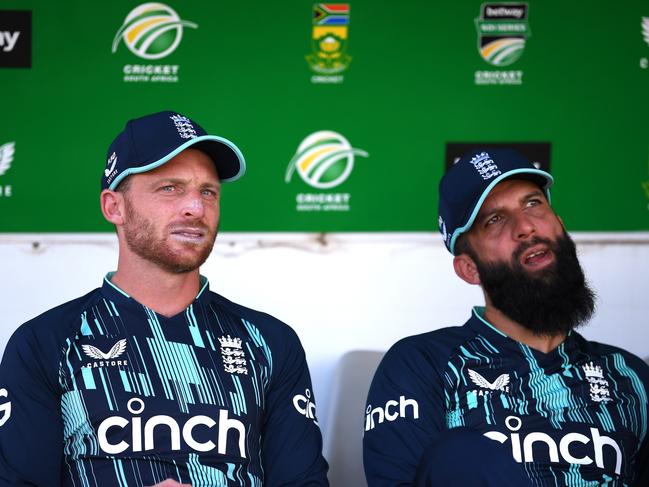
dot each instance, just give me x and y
(164, 292)
(516, 331)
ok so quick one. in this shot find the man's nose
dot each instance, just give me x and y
(524, 227)
(193, 205)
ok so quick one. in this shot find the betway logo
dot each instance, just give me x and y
(514, 423)
(143, 439)
(8, 40)
(392, 410)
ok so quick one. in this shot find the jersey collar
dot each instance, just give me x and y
(114, 293)
(562, 353)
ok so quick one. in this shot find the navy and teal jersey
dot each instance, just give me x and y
(576, 416)
(104, 391)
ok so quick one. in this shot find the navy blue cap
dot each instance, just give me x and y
(466, 185)
(150, 141)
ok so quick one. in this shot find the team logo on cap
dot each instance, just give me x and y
(484, 164)
(329, 41)
(152, 31)
(502, 31)
(324, 160)
(184, 126)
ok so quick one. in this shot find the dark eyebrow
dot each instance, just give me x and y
(532, 194)
(484, 213)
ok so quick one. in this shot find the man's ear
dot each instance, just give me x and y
(466, 269)
(112, 206)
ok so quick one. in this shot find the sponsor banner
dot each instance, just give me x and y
(538, 153)
(399, 85)
(15, 39)
(151, 31)
(323, 160)
(329, 41)
(502, 32)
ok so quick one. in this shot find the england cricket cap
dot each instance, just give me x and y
(466, 185)
(150, 141)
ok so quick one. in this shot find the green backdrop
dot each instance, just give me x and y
(403, 87)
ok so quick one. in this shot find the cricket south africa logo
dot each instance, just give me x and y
(644, 62)
(151, 31)
(234, 358)
(108, 358)
(329, 41)
(324, 160)
(6, 156)
(503, 30)
(7, 152)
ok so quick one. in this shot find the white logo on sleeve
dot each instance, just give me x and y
(393, 410)
(93, 352)
(5, 408)
(500, 384)
(304, 405)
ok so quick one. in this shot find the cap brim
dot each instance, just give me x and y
(228, 159)
(542, 178)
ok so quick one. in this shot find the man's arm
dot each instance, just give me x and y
(291, 440)
(404, 414)
(31, 426)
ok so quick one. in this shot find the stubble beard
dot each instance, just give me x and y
(144, 239)
(548, 302)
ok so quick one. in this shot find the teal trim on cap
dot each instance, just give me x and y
(485, 193)
(108, 277)
(178, 150)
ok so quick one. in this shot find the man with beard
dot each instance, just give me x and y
(515, 396)
(153, 378)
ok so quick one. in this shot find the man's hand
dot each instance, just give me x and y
(171, 483)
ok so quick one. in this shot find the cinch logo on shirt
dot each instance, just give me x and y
(143, 435)
(5, 408)
(392, 410)
(514, 424)
(304, 405)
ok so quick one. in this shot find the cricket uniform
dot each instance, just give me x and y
(104, 391)
(576, 416)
